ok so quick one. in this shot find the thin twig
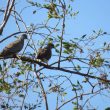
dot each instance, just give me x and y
(6, 16)
(63, 29)
(42, 88)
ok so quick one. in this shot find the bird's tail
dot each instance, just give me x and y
(1, 56)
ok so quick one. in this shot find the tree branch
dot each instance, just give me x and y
(6, 16)
(28, 59)
(42, 88)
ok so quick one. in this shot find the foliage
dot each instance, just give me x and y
(77, 72)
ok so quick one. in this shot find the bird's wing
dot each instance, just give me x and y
(13, 47)
(42, 53)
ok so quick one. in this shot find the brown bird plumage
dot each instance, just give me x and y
(44, 54)
(13, 48)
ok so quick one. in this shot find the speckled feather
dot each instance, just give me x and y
(13, 48)
(45, 53)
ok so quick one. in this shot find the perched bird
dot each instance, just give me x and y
(44, 54)
(13, 48)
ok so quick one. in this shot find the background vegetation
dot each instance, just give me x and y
(77, 75)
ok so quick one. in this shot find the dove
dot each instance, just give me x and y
(13, 48)
(44, 54)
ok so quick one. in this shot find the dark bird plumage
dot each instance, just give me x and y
(44, 54)
(13, 48)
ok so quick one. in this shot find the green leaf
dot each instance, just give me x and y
(57, 50)
(21, 95)
(108, 108)
(83, 36)
(105, 33)
(75, 103)
(3, 106)
(60, 37)
(57, 45)
(97, 62)
(0, 68)
(74, 89)
(64, 94)
(75, 108)
(66, 51)
(78, 67)
(34, 11)
(4, 64)
(50, 39)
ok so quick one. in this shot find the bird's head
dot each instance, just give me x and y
(50, 45)
(24, 36)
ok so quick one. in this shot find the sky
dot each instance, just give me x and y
(93, 15)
